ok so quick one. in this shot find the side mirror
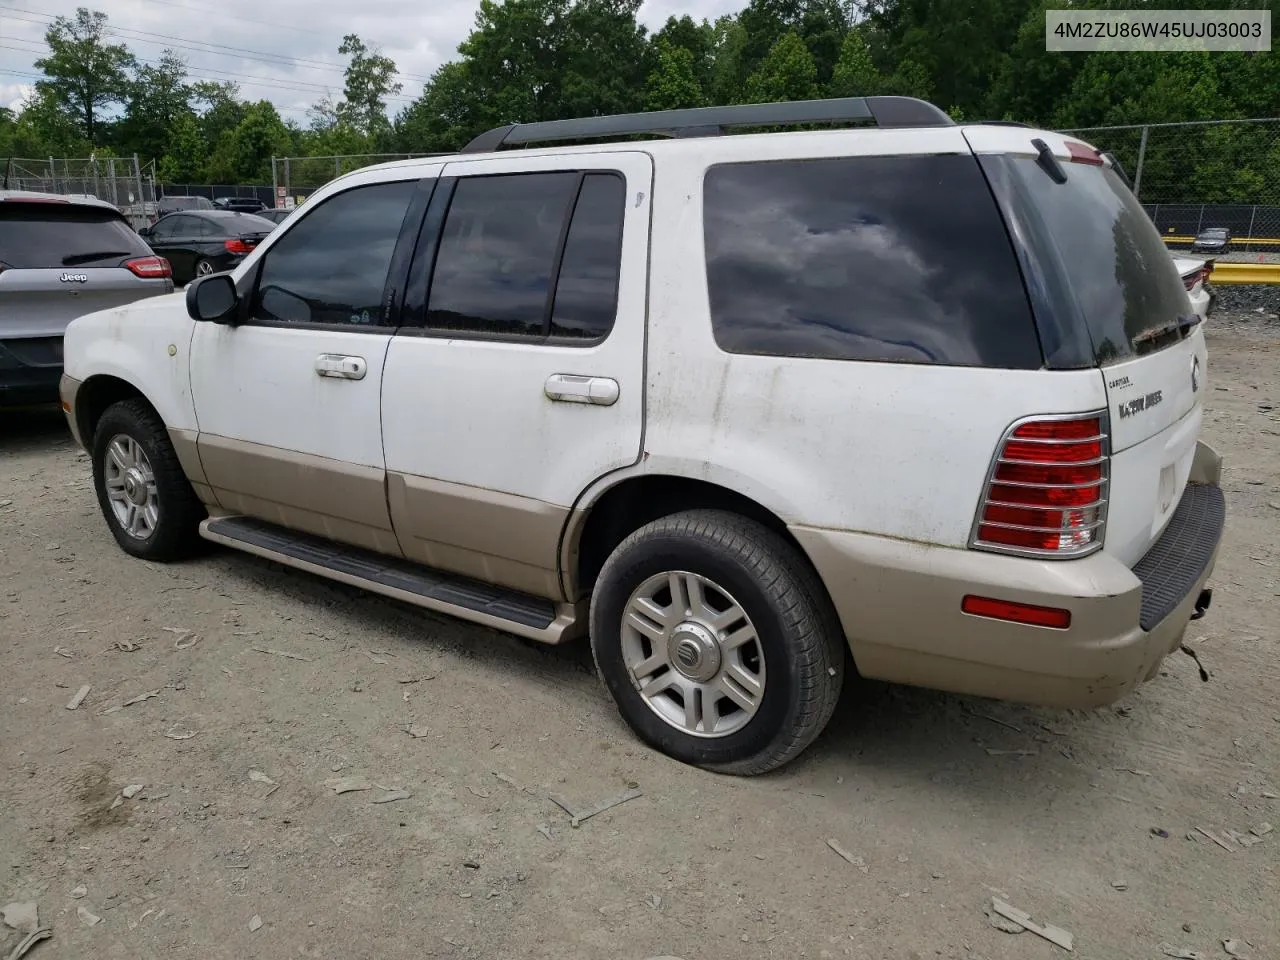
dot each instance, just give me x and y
(213, 299)
(144, 232)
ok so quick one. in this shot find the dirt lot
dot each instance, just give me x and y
(266, 684)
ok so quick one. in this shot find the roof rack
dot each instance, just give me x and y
(1004, 123)
(712, 121)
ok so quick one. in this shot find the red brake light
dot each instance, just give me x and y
(1016, 612)
(1082, 154)
(150, 268)
(238, 246)
(1047, 491)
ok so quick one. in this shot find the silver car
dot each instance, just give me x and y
(62, 257)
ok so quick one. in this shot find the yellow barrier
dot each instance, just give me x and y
(1245, 273)
(1235, 241)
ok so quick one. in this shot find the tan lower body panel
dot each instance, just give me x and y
(899, 605)
(185, 446)
(496, 537)
(567, 625)
(329, 498)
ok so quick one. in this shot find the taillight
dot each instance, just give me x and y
(1047, 492)
(150, 268)
(238, 246)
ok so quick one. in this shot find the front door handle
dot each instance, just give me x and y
(570, 388)
(342, 367)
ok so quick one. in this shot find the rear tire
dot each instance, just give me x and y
(145, 497)
(717, 641)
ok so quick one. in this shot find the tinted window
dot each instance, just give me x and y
(242, 224)
(865, 258)
(54, 235)
(497, 252)
(331, 267)
(587, 287)
(208, 229)
(1105, 246)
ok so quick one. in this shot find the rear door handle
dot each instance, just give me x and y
(342, 367)
(570, 388)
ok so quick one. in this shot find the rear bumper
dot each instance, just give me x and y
(29, 370)
(900, 606)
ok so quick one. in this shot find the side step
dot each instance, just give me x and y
(496, 607)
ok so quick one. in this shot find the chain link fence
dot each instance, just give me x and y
(120, 181)
(1192, 176)
(296, 178)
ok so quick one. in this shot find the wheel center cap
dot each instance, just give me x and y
(135, 486)
(694, 652)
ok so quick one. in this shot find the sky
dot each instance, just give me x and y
(285, 51)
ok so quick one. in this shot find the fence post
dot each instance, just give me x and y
(275, 182)
(337, 166)
(1253, 212)
(1142, 156)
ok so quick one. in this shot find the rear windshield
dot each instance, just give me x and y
(1103, 244)
(899, 259)
(36, 236)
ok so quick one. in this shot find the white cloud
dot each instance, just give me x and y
(300, 38)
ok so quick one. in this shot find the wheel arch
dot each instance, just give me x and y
(98, 393)
(600, 523)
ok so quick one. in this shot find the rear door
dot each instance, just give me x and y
(1094, 237)
(61, 260)
(524, 380)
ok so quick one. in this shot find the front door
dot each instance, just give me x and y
(288, 402)
(523, 381)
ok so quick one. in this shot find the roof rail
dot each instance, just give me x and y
(712, 121)
(1004, 123)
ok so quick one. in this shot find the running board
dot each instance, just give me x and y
(482, 603)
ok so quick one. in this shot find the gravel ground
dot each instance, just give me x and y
(232, 692)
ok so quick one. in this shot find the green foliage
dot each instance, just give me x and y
(855, 74)
(86, 75)
(787, 73)
(370, 77)
(158, 97)
(674, 82)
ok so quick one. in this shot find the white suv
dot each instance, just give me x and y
(923, 399)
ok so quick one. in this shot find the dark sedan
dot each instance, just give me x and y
(200, 242)
(277, 215)
(240, 204)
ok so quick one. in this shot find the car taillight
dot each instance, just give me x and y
(238, 246)
(1047, 492)
(150, 268)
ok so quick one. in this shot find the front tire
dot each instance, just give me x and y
(144, 495)
(717, 641)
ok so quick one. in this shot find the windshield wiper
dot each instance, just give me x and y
(1179, 326)
(99, 255)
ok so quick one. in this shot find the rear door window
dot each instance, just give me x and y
(49, 236)
(1101, 241)
(900, 259)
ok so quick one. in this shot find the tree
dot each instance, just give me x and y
(787, 73)
(85, 74)
(697, 38)
(854, 74)
(158, 97)
(445, 117)
(185, 154)
(220, 107)
(370, 79)
(674, 82)
(244, 154)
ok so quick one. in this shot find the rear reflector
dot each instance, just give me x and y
(150, 268)
(1047, 492)
(1016, 612)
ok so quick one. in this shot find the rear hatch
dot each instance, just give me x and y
(1108, 296)
(61, 260)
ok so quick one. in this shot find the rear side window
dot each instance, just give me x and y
(331, 267)
(530, 256)
(1114, 263)
(898, 259)
(50, 236)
